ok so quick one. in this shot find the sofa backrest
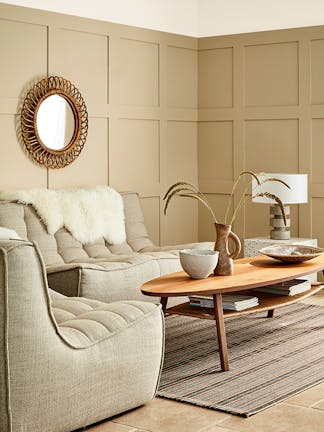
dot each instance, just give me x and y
(62, 247)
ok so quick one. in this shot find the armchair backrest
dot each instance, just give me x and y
(25, 318)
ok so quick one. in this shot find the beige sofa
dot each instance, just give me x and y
(69, 362)
(97, 271)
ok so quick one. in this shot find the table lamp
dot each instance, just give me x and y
(297, 194)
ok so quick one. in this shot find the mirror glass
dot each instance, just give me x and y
(55, 122)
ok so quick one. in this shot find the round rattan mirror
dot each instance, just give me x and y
(54, 122)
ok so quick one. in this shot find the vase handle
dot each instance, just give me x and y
(237, 244)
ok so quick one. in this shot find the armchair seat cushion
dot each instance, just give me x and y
(83, 322)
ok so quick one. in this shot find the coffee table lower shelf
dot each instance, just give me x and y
(267, 302)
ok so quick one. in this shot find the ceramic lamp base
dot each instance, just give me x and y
(279, 231)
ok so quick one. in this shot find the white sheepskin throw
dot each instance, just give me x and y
(8, 234)
(89, 214)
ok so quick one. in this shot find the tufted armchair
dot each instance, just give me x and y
(69, 362)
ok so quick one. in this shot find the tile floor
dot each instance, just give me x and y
(301, 413)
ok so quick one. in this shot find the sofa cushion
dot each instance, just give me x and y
(108, 279)
(136, 232)
(83, 322)
(24, 220)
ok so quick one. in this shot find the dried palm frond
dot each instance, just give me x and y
(204, 202)
(274, 179)
(252, 174)
(180, 183)
(192, 192)
(173, 192)
(275, 198)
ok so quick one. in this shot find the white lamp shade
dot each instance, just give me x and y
(297, 194)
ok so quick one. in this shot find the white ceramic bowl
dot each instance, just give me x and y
(198, 263)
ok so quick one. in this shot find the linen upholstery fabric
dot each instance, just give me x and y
(98, 270)
(65, 362)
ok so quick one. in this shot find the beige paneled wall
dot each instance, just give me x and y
(141, 91)
(259, 99)
(261, 108)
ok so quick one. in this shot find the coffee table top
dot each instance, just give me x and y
(252, 272)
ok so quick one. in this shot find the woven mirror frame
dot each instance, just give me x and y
(42, 154)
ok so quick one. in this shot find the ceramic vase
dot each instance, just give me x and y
(225, 266)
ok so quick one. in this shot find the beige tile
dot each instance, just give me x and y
(110, 426)
(319, 405)
(280, 418)
(308, 397)
(218, 429)
(162, 415)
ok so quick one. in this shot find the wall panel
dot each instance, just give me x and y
(82, 58)
(317, 150)
(182, 151)
(317, 71)
(215, 155)
(17, 171)
(271, 74)
(182, 77)
(181, 165)
(23, 55)
(136, 155)
(138, 70)
(271, 145)
(317, 219)
(215, 69)
(181, 221)
(151, 211)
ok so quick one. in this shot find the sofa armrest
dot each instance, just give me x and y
(65, 279)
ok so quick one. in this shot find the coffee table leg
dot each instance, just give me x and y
(164, 301)
(270, 313)
(221, 334)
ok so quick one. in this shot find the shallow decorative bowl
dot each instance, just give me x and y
(292, 253)
(198, 263)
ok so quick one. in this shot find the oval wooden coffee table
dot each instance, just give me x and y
(249, 273)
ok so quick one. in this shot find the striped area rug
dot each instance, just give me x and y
(271, 359)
